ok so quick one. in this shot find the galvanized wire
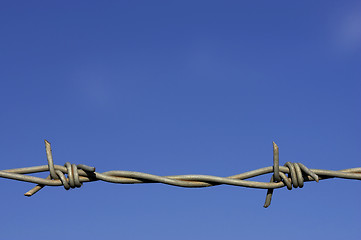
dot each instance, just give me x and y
(297, 174)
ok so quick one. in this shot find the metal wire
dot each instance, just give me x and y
(297, 174)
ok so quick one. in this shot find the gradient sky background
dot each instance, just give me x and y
(186, 87)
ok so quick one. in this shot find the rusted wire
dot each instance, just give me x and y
(291, 175)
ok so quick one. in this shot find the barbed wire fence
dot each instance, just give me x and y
(291, 175)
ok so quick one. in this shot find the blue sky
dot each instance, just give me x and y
(187, 87)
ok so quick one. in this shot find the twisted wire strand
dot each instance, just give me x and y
(291, 175)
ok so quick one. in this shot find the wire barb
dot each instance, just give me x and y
(291, 175)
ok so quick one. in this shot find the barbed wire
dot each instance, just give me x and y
(297, 174)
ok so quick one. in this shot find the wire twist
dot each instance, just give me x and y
(291, 175)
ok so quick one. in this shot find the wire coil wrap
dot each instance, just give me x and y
(291, 175)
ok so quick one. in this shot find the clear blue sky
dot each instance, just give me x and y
(186, 87)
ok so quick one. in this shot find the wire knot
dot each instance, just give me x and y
(72, 180)
(71, 170)
(296, 174)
